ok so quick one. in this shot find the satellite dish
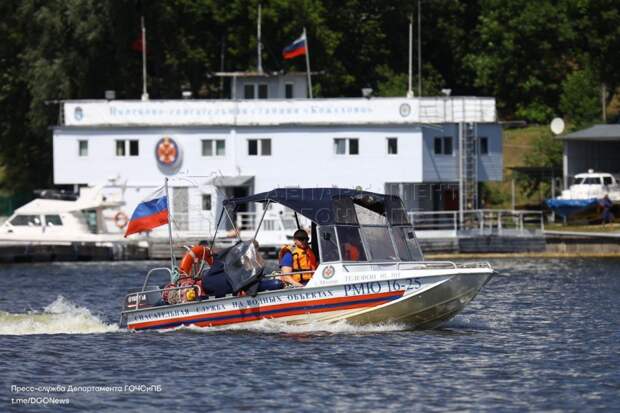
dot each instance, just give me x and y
(557, 126)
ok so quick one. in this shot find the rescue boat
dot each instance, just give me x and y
(387, 281)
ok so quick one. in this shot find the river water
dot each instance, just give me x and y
(543, 335)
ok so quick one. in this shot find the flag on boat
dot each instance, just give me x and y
(150, 213)
(297, 48)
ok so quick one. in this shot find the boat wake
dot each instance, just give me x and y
(461, 322)
(60, 317)
(267, 326)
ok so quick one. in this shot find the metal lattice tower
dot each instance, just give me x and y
(468, 163)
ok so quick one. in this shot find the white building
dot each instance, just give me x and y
(422, 148)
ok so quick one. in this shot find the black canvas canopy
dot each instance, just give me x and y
(330, 206)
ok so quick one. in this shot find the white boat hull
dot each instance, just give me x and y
(417, 299)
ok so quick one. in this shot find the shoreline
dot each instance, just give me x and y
(522, 255)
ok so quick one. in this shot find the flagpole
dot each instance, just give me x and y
(409, 89)
(169, 226)
(308, 64)
(145, 94)
(259, 64)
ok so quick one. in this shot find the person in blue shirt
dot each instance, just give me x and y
(607, 204)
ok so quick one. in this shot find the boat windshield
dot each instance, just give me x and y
(588, 181)
(372, 240)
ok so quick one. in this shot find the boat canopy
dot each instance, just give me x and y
(330, 206)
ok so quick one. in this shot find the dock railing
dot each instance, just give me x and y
(478, 222)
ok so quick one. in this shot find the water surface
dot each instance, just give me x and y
(542, 335)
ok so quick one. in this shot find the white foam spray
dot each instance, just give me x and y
(60, 317)
(268, 326)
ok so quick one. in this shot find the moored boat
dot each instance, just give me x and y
(583, 197)
(386, 280)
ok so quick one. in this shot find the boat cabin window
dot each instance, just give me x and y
(406, 244)
(328, 245)
(379, 243)
(91, 220)
(367, 217)
(26, 220)
(53, 220)
(607, 180)
(351, 246)
(592, 181)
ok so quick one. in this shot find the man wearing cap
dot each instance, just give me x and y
(297, 258)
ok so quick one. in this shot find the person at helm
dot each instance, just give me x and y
(297, 258)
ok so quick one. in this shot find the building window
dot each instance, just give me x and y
(354, 146)
(211, 147)
(343, 146)
(288, 91)
(265, 147)
(484, 146)
(120, 148)
(340, 146)
(443, 145)
(206, 202)
(263, 91)
(248, 91)
(83, 148)
(253, 147)
(133, 148)
(447, 145)
(259, 146)
(220, 147)
(124, 147)
(392, 146)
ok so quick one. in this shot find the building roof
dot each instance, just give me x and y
(596, 133)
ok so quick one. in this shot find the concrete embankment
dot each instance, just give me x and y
(73, 251)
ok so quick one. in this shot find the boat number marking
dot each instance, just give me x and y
(375, 287)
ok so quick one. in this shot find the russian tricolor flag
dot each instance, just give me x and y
(297, 48)
(150, 213)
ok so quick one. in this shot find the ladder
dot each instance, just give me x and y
(468, 180)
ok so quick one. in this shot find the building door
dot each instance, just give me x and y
(242, 219)
(450, 195)
(180, 208)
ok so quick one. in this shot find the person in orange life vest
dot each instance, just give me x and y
(295, 258)
(351, 252)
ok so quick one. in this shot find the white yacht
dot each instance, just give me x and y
(91, 217)
(593, 185)
(583, 198)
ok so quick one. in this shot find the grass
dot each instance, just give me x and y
(518, 143)
(608, 228)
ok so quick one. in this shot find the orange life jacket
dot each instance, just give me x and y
(303, 260)
(351, 252)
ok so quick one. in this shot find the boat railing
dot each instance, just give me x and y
(151, 271)
(158, 291)
(415, 265)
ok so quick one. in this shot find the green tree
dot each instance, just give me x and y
(580, 100)
(521, 54)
